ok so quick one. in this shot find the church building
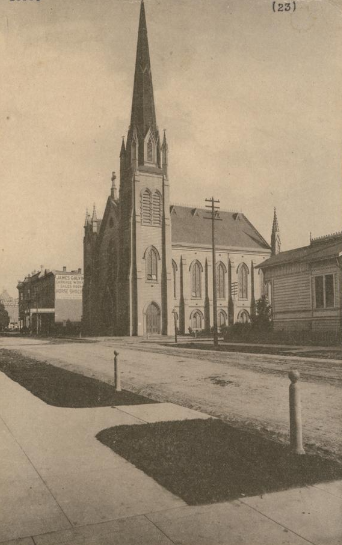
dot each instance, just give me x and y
(148, 260)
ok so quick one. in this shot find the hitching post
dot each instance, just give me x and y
(296, 440)
(117, 378)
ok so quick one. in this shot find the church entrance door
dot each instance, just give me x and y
(153, 319)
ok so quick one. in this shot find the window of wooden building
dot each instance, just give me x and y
(324, 291)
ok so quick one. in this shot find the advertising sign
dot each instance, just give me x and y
(69, 286)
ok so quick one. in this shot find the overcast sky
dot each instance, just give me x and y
(251, 100)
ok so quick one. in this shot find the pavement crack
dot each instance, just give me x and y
(160, 530)
(277, 522)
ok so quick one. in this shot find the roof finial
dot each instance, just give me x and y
(94, 217)
(86, 218)
(113, 191)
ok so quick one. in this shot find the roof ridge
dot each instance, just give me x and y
(203, 207)
(326, 237)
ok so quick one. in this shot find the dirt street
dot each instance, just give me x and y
(247, 390)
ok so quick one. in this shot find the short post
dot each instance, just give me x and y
(296, 439)
(117, 378)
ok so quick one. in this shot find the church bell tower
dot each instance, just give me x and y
(145, 233)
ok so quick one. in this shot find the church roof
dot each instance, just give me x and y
(189, 226)
(320, 248)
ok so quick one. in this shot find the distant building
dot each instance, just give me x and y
(50, 300)
(305, 285)
(12, 307)
(147, 260)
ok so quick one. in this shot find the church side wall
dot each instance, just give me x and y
(106, 292)
(188, 256)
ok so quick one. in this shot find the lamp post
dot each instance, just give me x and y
(174, 312)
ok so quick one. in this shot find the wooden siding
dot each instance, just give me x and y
(291, 293)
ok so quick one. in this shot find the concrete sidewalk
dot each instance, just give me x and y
(58, 484)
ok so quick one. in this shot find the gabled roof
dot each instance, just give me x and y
(324, 248)
(234, 230)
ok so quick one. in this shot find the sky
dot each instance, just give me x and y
(251, 101)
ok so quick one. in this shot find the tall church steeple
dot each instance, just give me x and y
(275, 237)
(143, 115)
(144, 202)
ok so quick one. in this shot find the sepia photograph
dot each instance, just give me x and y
(171, 272)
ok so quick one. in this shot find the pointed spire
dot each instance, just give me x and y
(123, 147)
(275, 237)
(143, 114)
(275, 221)
(94, 216)
(165, 153)
(114, 191)
(87, 217)
(164, 144)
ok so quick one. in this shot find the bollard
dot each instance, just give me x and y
(117, 378)
(296, 440)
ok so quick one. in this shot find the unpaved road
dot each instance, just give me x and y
(247, 390)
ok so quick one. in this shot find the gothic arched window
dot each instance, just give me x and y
(156, 208)
(196, 280)
(146, 207)
(150, 151)
(220, 280)
(174, 272)
(243, 317)
(222, 318)
(196, 320)
(243, 281)
(151, 264)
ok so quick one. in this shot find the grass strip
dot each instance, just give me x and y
(62, 388)
(208, 461)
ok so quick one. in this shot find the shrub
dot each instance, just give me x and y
(262, 320)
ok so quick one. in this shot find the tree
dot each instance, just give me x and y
(263, 317)
(4, 318)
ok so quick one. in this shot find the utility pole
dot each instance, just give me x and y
(214, 217)
(37, 308)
